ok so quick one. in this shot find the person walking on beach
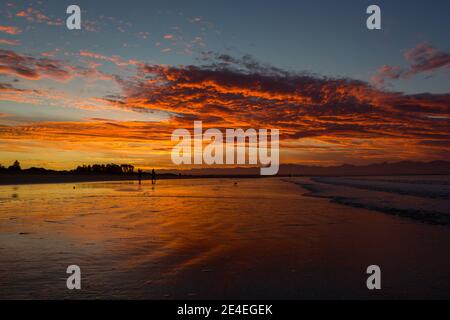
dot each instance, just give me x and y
(153, 176)
(140, 175)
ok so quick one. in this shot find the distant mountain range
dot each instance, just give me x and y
(385, 168)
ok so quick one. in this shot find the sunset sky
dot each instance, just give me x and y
(115, 90)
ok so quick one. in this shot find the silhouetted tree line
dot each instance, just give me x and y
(108, 168)
(15, 167)
(84, 169)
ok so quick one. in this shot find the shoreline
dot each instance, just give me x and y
(347, 195)
(8, 179)
(23, 179)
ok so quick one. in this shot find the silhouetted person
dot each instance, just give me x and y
(140, 175)
(153, 176)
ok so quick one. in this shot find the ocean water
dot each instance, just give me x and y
(210, 239)
(423, 198)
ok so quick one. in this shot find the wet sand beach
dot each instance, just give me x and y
(209, 239)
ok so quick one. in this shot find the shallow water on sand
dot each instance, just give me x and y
(210, 238)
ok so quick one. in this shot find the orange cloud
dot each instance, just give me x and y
(422, 58)
(425, 58)
(31, 68)
(9, 42)
(244, 93)
(10, 30)
(320, 118)
(118, 61)
(35, 16)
